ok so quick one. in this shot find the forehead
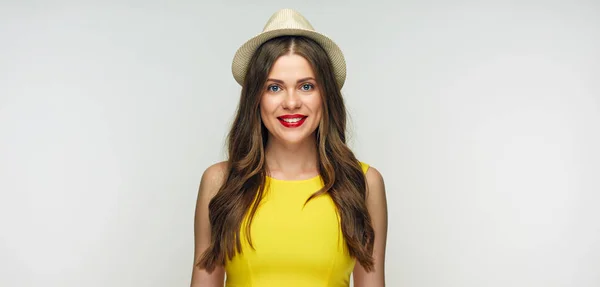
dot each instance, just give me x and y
(291, 67)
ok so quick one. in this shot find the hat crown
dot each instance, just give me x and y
(287, 18)
(287, 22)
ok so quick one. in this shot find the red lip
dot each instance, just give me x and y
(292, 116)
(292, 125)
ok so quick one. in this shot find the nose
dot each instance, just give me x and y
(291, 101)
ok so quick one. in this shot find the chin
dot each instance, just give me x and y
(292, 136)
(294, 139)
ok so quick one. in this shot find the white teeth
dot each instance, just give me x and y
(294, 120)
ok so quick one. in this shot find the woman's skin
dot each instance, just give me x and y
(291, 154)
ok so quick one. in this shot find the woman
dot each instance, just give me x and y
(292, 206)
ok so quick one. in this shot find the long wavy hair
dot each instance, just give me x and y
(244, 184)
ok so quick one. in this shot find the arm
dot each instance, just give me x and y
(377, 206)
(211, 181)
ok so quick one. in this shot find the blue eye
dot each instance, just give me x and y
(273, 88)
(307, 87)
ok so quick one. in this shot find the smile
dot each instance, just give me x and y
(292, 121)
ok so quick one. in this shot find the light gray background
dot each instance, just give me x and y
(483, 117)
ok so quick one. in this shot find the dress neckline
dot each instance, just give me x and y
(314, 178)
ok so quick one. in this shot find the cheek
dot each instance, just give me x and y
(317, 106)
(267, 108)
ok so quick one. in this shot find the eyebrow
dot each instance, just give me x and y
(301, 80)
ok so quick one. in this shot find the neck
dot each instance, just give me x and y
(291, 159)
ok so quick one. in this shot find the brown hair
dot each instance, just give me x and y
(243, 188)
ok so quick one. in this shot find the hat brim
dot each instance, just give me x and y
(243, 55)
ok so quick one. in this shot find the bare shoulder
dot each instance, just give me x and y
(375, 183)
(213, 177)
(377, 207)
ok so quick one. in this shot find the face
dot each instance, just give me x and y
(290, 106)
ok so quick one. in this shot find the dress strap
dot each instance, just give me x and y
(364, 167)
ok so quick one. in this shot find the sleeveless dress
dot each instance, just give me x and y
(294, 245)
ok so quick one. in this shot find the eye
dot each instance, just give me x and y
(307, 87)
(273, 88)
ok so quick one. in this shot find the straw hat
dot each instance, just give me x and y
(288, 22)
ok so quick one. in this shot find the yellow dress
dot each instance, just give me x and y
(293, 245)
